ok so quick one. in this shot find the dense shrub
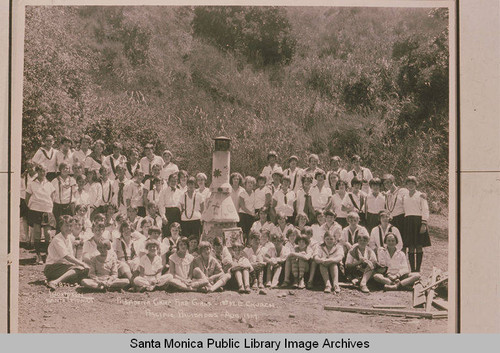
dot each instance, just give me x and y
(333, 81)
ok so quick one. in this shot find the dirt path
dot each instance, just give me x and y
(280, 311)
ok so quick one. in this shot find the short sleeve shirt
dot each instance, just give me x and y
(182, 264)
(248, 199)
(41, 195)
(108, 267)
(59, 248)
(214, 267)
(151, 268)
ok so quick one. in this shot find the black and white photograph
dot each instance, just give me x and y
(235, 169)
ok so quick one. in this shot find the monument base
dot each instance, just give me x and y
(215, 229)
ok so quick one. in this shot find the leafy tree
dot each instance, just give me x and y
(262, 35)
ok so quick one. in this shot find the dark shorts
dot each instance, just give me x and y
(41, 218)
(54, 271)
(372, 220)
(23, 209)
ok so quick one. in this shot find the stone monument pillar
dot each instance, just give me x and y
(220, 213)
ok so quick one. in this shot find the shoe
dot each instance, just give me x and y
(261, 286)
(301, 285)
(328, 289)
(39, 260)
(247, 290)
(285, 284)
(309, 285)
(268, 284)
(364, 288)
(336, 289)
(355, 281)
(241, 290)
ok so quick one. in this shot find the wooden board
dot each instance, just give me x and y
(390, 312)
(440, 304)
(418, 294)
(388, 306)
(435, 284)
(430, 294)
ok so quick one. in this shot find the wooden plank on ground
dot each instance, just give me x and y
(390, 312)
(430, 294)
(388, 306)
(440, 303)
(418, 294)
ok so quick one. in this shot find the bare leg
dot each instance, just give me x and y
(303, 266)
(119, 283)
(124, 271)
(180, 285)
(276, 275)
(326, 278)
(221, 281)
(164, 280)
(37, 236)
(312, 272)
(69, 275)
(141, 282)
(412, 278)
(380, 278)
(24, 235)
(246, 280)
(295, 271)
(239, 278)
(269, 275)
(89, 283)
(334, 270)
(288, 270)
(366, 276)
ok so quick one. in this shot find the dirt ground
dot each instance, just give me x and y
(68, 310)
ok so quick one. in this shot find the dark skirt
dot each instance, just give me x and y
(245, 223)
(59, 210)
(411, 230)
(189, 228)
(173, 214)
(342, 221)
(54, 271)
(398, 222)
(372, 220)
(51, 176)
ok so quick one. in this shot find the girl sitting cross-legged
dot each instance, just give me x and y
(394, 273)
(103, 273)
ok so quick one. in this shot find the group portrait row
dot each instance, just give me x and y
(133, 220)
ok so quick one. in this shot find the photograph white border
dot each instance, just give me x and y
(17, 89)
